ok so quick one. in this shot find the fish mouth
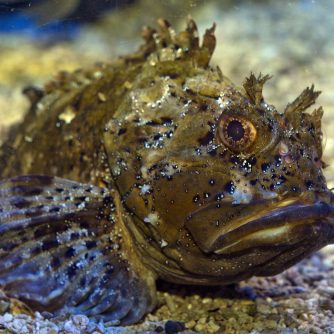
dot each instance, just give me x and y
(276, 223)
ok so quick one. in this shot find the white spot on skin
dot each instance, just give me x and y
(143, 171)
(65, 236)
(163, 243)
(28, 139)
(243, 194)
(152, 218)
(145, 189)
(82, 205)
(222, 102)
(116, 170)
(67, 115)
(102, 97)
(170, 170)
(242, 197)
(97, 74)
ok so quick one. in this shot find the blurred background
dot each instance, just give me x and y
(291, 40)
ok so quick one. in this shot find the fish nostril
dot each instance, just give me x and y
(283, 149)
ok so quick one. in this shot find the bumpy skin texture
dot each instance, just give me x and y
(182, 175)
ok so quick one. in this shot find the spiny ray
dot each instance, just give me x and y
(254, 86)
(307, 97)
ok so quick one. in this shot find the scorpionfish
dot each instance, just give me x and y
(156, 166)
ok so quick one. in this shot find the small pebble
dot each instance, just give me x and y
(172, 327)
(8, 317)
(190, 324)
(81, 321)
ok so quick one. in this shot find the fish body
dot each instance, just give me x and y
(156, 165)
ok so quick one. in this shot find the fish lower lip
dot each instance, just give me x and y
(274, 227)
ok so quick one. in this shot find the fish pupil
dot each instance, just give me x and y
(235, 130)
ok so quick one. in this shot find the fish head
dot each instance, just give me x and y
(219, 183)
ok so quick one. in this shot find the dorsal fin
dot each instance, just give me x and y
(306, 98)
(254, 86)
(166, 44)
(34, 94)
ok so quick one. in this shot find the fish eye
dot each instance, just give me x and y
(236, 133)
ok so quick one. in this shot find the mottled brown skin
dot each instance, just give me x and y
(76, 150)
(206, 182)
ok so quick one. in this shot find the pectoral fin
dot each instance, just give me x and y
(59, 251)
